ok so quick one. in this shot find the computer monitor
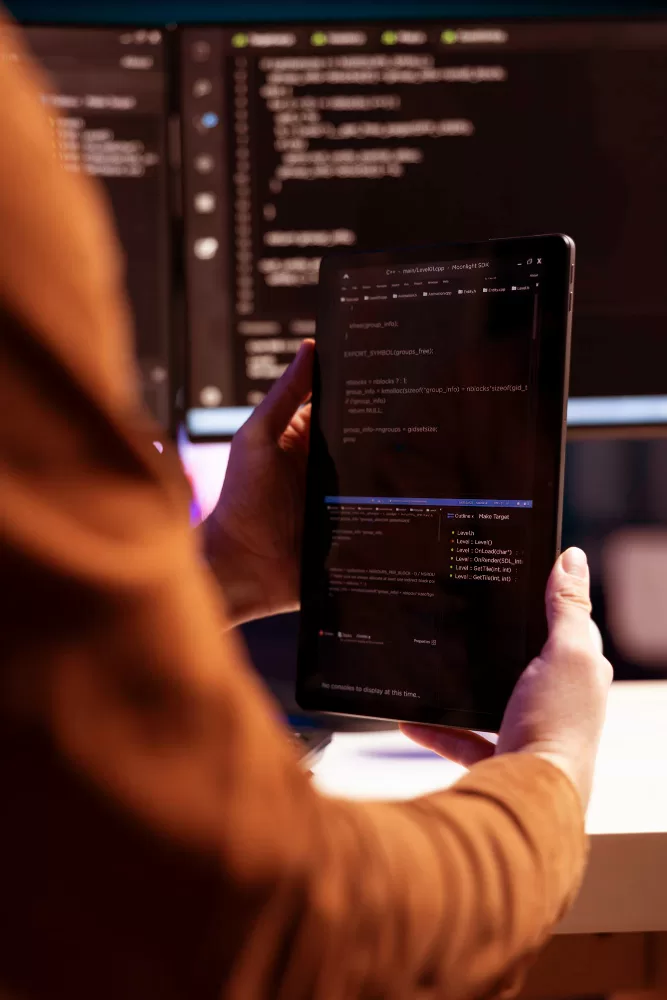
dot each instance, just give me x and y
(299, 138)
(111, 88)
(240, 153)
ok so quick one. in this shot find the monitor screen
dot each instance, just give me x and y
(297, 139)
(110, 87)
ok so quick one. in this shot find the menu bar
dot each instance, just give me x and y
(448, 35)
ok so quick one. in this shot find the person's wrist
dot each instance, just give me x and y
(567, 765)
(241, 587)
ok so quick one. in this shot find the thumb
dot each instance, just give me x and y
(568, 601)
(294, 386)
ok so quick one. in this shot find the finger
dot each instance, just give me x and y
(461, 746)
(297, 435)
(568, 600)
(299, 425)
(278, 407)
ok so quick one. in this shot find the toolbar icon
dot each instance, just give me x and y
(210, 395)
(201, 88)
(206, 249)
(240, 40)
(208, 120)
(449, 37)
(318, 38)
(201, 51)
(204, 202)
(204, 163)
(389, 38)
(529, 261)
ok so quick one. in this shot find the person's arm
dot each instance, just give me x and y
(185, 852)
(252, 539)
(158, 836)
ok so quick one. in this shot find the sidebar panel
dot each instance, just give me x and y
(206, 218)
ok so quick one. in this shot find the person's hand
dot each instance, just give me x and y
(253, 537)
(558, 706)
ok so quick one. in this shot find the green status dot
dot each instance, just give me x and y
(449, 36)
(240, 40)
(318, 38)
(389, 38)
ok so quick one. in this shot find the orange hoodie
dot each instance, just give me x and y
(158, 839)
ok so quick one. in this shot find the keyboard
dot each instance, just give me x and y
(310, 744)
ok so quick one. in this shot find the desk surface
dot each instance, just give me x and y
(626, 884)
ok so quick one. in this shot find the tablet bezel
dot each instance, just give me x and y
(556, 280)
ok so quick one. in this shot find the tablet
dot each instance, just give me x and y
(435, 477)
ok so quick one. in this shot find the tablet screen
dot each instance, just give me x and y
(427, 429)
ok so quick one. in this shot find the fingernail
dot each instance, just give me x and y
(300, 353)
(574, 562)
